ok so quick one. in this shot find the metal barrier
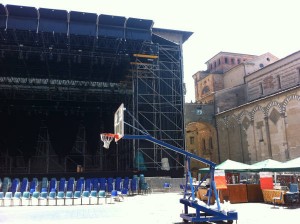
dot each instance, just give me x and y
(157, 183)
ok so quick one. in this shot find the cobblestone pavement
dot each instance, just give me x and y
(156, 208)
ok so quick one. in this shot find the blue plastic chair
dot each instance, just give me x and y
(85, 197)
(71, 184)
(16, 198)
(2, 198)
(101, 194)
(93, 197)
(95, 184)
(53, 185)
(118, 182)
(145, 188)
(88, 185)
(79, 185)
(69, 197)
(33, 185)
(110, 184)
(294, 193)
(45, 182)
(43, 198)
(25, 197)
(35, 198)
(15, 185)
(134, 185)
(52, 198)
(102, 182)
(126, 183)
(124, 192)
(114, 196)
(167, 186)
(62, 184)
(24, 185)
(294, 188)
(8, 198)
(77, 196)
(60, 197)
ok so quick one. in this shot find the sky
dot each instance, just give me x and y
(239, 26)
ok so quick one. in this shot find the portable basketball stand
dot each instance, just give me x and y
(204, 213)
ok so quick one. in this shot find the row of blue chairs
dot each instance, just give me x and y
(60, 198)
(15, 185)
(20, 192)
(104, 184)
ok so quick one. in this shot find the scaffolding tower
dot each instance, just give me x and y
(158, 104)
(45, 159)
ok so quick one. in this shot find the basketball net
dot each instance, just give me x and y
(106, 138)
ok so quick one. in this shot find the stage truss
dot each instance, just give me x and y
(75, 72)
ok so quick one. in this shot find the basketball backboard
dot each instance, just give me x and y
(119, 122)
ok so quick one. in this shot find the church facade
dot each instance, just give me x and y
(267, 125)
(254, 106)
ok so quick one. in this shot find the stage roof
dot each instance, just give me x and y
(42, 47)
(81, 23)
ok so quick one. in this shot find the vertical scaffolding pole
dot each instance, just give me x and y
(43, 148)
(158, 102)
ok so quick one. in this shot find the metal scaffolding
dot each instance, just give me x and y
(158, 104)
(45, 159)
(54, 67)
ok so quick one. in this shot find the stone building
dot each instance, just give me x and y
(267, 125)
(201, 133)
(234, 92)
(237, 93)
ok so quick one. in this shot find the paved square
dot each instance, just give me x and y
(156, 208)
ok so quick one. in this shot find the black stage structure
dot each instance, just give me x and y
(63, 74)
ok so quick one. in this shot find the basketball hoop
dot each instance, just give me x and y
(107, 138)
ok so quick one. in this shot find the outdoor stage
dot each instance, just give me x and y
(63, 75)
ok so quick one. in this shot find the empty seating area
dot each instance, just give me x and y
(71, 191)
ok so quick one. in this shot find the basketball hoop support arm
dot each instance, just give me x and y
(188, 156)
(204, 212)
(169, 146)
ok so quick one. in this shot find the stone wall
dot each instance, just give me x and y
(235, 76)
(194, 112)
(269, 128)
(230, 98)
(276, 77)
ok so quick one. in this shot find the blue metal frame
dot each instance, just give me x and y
(203, 213)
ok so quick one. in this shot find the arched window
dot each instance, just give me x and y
(279, 82)
(192, 140)
(203, 144)
(210, 143)
(205, 90)
(261, 88)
